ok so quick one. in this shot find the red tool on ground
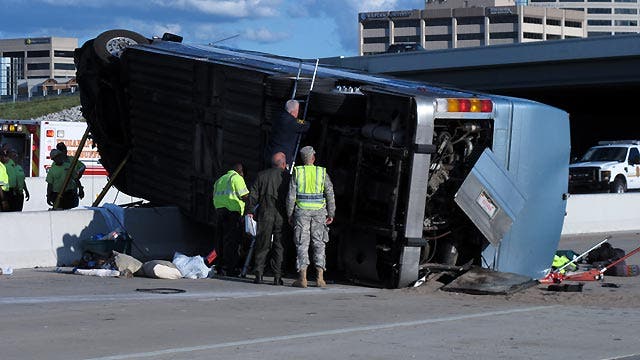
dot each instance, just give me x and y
(597, 274)
(557, 276)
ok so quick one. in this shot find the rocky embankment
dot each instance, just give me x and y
(73, 114)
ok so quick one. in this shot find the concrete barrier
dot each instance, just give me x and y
(602, 213)
(54, 238)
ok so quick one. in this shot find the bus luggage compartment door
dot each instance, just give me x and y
(490, 198)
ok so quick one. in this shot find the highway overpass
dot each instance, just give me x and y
(596, 80)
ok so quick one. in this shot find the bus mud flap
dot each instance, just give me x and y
(409, 260)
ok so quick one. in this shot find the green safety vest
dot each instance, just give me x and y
(310, 187)
(56, 175)
(20, 177)
(228, 190)
(11, 171)
(4, 177)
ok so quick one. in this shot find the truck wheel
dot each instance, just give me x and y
(110, 44)
(619, 186)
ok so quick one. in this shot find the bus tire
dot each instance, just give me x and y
(109, 45)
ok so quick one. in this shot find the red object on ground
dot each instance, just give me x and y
(589, 275)
(212, 256)
(552, 278)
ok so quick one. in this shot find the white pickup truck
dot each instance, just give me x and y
(612, 166)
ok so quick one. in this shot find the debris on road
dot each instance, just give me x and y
(191, 267)
(566, 287)
(161, 269)
(97, 272)
(481, 281)
(599, 259)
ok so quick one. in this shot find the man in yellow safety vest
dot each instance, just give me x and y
(311, 207)
(229, 195)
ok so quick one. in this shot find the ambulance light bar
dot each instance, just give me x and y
(12, 127)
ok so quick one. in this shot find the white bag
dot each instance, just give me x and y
(250, 225)
(191, 267)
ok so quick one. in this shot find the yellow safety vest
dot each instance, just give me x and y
(310, 187)
(4, 177)
(560, 261)
(228, 190)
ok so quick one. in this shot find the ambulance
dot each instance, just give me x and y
(34, 140)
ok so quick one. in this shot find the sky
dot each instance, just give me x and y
(296, 28)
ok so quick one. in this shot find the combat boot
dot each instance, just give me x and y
(277, 280)
(320, 280)
(258, 278)
(302, 280)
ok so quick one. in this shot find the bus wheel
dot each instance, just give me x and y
(110, 44)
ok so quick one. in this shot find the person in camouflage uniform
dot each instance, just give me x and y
(311, 207)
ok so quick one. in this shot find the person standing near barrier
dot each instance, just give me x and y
(311, 207)
(285, 132)
(229, 194)
(10, 167)
(22, 192)
(268, 194)
(55, 180)
(79, 168)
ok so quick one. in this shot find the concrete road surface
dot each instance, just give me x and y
(50, 315)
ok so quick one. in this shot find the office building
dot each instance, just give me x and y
(445, 24)
(604, 17)
(5, 73)
(28, 62)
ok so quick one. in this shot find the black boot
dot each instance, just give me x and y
(277, 280)
(258, 278)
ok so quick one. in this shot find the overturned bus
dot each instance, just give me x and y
(425, 177)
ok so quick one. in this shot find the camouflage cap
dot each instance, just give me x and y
(306, 153)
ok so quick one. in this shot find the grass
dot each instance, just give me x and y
(24, 110)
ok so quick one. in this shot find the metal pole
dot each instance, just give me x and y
(295, 85)
(110, 182)
(227, 38)
(304, 116)
(71, 169)
(247, 261)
